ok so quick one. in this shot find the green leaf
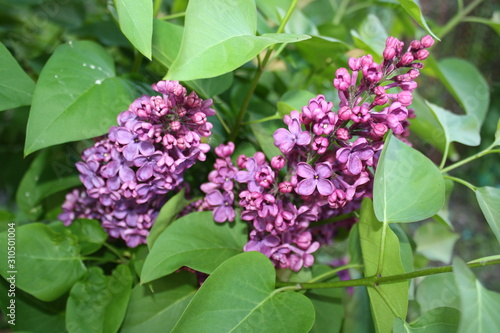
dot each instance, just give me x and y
(294, 100)
(387, 301)
(77, 96)
(438, 320)
(136, 22)
(484, 259)
(488, 199)
(457, 128)
(467, 85)
(90, 235)
(98, 303)
(405, 248)
(371, 36)
(156, 307)
(32, 315)
(166, 44)
(16, 88)
(408, 186)
(42, 180)
(52, 257)
(195, 241)
(436, 291)
(425, 124)
(210, 49)
(167, 215)
(327, 304)
(414, 11)
(435, 241)
(240, 296)
(479, 306)
(320, 51)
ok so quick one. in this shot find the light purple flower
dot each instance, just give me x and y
(287, 139)
(314, 179)
(223, 206)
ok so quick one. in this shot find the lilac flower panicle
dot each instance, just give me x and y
(127, 174)
(329, 157)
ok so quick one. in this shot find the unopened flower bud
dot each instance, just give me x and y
(199, 118)
(422, 54)
(406, 59)
(427, 41)
(389, 53)
(343, 134)
(344, 113)
(415, 45)
(278, 162)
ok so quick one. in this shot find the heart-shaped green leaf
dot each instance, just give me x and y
(220, 37)
(98, 303)
(240, 296)
(16, 88)
(408, 186)
(196, 241)
(52, 257)
(438, 320)
(77, 96)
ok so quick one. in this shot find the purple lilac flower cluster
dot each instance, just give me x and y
(128, 173)
(328, 158)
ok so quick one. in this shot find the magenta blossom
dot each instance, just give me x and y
(287, 139)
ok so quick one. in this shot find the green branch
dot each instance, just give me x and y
(372, 281)
(458, 18)
(488, 150)
(461, 181)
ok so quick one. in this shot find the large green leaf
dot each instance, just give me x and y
(408, 186)
(438, 320)
(327, 304)
(41, 180)
(155, 308)
(457, 128)
(52, 257)
(220, 37)
(136, 22)
(240, 296)
(196, 241)
(166, 44)
(264, 134)
(414, 10)
(358, 317)
(16, 88)
(383, 297)
(77, 96)
(435, 241)
(436, 291)
(480, 307)
(98, 303)
(90, 235)
(467, 85)
(488, 199)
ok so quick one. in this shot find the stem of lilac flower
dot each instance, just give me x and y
(371, 281)
(340, 12)
(258, 74)
(461, 181)
(488, 150)
(445, 156)
(262, 120)
(334, 272)
(458, 18)
(115, 252)
(172, 16)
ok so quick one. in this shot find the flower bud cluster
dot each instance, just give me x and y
(328, 159)
(128, 173)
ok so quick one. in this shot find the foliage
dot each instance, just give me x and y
(350, 238)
